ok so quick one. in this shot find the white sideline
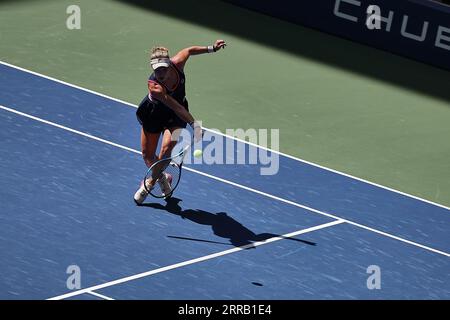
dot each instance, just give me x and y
(231, 183)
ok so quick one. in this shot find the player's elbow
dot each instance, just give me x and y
(156, 90)
(188, 52)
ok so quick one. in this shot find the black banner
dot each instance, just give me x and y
(417, 29)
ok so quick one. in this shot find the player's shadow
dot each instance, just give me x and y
(221, 223)
(306, 42)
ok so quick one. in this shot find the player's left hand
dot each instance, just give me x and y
(219, 44)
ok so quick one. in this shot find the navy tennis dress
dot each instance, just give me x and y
(154, 116)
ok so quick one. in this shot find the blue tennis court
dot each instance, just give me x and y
(70, 164)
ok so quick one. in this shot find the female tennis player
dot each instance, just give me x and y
(165, 109)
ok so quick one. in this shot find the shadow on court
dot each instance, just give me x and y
(221, 223)
(308, 43)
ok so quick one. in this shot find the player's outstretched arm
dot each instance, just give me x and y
(181, 57)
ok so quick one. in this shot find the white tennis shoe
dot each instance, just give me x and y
(165, 183)
(141, 194)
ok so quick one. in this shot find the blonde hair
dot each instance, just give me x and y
(159, 53)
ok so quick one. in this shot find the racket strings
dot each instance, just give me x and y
(171, 168)
(172, 173)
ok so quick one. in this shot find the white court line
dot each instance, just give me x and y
(234, 138)
(99, 295)
(234, 184)
(197, 260)
(69, 129)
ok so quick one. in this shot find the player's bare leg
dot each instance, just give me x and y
(149, 142)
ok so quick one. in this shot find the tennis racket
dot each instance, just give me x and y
(168, 169)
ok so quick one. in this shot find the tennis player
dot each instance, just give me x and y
(165, 109)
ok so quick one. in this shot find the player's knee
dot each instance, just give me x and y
(166, 149)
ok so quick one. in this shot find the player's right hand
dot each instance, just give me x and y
(198, 131)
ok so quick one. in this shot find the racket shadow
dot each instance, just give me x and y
(222, 224)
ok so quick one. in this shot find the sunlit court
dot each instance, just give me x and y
(220, 152)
